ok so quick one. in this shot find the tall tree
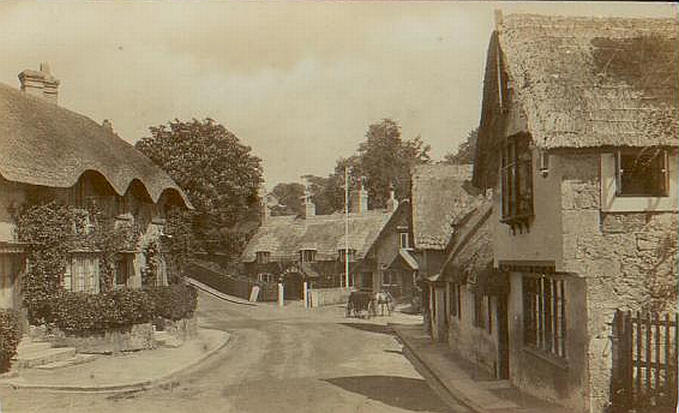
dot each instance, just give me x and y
(289, 196)
(217, 172)
(386, 159)
(465, 151)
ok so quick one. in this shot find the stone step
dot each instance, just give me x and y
(38, 358)
(78, 359)
(27, 347)
(162, 338)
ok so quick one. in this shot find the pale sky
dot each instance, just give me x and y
(299, 82)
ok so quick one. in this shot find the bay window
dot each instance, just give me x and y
(517, 181)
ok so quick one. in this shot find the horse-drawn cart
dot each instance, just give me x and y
(361, 304)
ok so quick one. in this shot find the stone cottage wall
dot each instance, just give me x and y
(472, 343)
(619, 256)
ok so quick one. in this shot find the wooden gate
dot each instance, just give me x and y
(645, 348)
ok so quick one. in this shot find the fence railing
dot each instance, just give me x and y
(230, 285)
(645, 348)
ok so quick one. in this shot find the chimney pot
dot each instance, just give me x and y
(309, 207)
(392, 203)
(359, 199)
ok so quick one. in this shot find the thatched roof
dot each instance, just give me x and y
(472, 248)
(471, 256)
(594, 82)
(284, 236)
(44, 144)
(441, 197)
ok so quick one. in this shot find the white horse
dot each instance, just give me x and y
(385, 301)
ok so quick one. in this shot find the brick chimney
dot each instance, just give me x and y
(392, 203)
(40, 83)
(359, 199)
(309, 207)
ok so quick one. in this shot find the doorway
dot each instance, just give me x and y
(292, 286)
(502, 338)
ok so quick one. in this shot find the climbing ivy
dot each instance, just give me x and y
(53, 230)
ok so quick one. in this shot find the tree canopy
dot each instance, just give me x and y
(465, 151)
(217, 172)
(382, 160)
(289, 196)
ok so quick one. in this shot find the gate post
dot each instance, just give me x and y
(281, 296)
(306, 294)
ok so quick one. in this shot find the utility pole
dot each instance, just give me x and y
(346, 226)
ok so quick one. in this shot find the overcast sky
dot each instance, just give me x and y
(298, 82)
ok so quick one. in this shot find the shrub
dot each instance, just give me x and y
(10, 335)
(174, 302)
(81, 313)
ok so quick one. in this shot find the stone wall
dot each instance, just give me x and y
(620, 255)
(137, 337)
(328, 296)
(472, 343)
(563, 381)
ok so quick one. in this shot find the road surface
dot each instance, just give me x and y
(278, 360)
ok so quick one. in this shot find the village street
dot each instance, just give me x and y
(287, 360)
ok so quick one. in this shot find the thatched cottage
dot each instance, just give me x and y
(47, 151)
(578, 139)
(442, 198)
(312, 248)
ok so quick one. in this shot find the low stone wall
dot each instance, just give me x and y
(329, 296)
(137, 337)
(181, 330)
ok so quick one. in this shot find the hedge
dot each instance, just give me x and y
(10, 335)
(81, 313)
(174, 302)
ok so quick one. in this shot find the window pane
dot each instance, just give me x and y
(642, 173)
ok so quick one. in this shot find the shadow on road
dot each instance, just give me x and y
(373, 328)
(401, 392)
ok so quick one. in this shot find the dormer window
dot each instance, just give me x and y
(517, 182)
(307, 255)
(642, 173)
(263, 257)
(343, 254)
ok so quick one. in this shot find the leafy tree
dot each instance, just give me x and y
(289, 196)
(383, 159)
(386, 159)
(465, 151)
(219, 175)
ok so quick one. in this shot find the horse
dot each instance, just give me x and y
(385, 301)
(360, 301)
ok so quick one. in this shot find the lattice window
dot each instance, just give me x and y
(544, 314)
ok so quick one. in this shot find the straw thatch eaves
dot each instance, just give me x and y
(441, 199)
(593, 82)
(44, 144)
(284, 236)
(471, 255)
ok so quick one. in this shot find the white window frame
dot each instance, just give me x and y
(403, 235)
(610, 202)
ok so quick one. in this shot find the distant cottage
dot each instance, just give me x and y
(312, 248)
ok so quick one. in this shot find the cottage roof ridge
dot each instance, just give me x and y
(48, 145)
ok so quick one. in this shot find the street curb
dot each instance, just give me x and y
(207, 289)
(123, 387)
(411, 354)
